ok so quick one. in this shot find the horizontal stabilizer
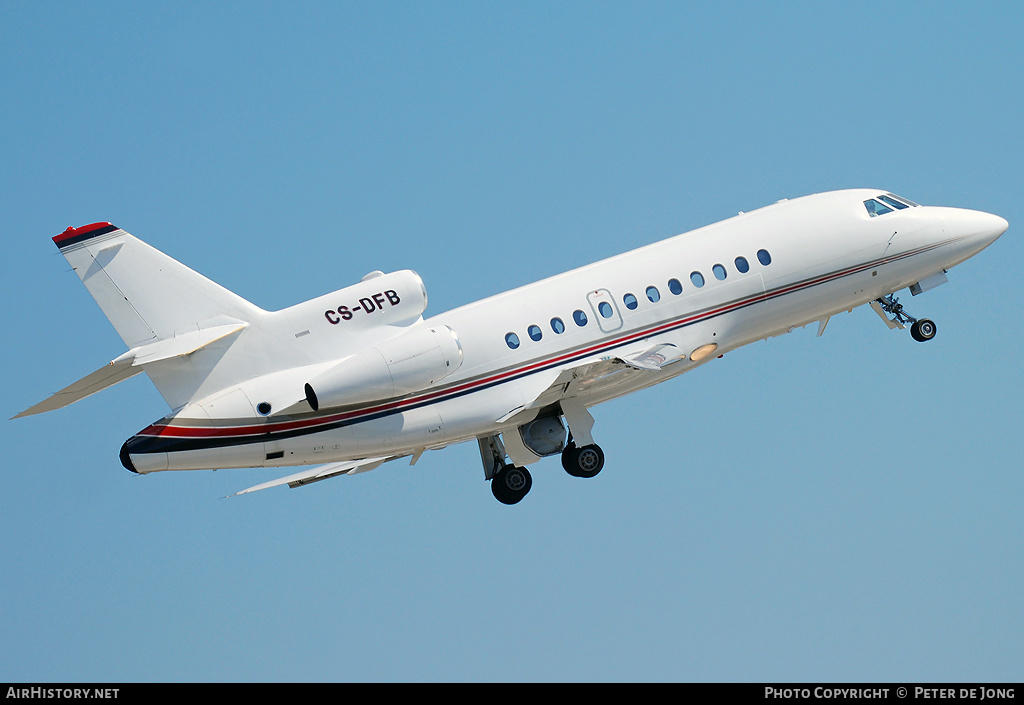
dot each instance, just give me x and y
(181, 345)
(320, 472)
(131, 363)
(108, 375)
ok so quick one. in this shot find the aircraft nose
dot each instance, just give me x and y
(981, 228)
(986, 227)
(995, 225)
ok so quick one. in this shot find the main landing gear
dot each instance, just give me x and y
(510, 483)
(582, 462)
(921, 330)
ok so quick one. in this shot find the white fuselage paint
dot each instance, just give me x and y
(827, 256)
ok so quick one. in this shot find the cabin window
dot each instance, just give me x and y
(742, 265)
(605, 309)
(653, 295)
(719, 271)
(557, 325)
(697, 278)
(763, 257)
(876, 208)
(512, 340)
(675, 287)
(630, 301)
(580, 318)
(535, 332)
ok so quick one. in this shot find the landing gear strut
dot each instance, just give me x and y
(921, 330)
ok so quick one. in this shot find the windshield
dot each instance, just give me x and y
(887, 203)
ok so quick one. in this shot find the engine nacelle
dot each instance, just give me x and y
(409, 363)
(394, 299)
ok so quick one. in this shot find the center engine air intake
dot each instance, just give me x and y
(409, 363)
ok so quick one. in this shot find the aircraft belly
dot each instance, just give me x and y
(470, 416)
(143, 460)
(237, 456)
(392, 434)
(144, 463)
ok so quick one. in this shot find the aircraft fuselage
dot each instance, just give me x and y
(699, 295)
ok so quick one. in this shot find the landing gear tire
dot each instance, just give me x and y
(510, 484)
(923, 330)
(582, 462)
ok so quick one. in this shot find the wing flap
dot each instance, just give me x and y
(651, 358)
(647, 357)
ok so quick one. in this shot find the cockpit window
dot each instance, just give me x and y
(886, 202)
(898, 205)
(903, 200)
(876, 208)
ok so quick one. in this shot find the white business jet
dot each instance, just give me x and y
(345, 382)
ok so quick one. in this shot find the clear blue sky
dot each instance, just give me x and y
(838, 508)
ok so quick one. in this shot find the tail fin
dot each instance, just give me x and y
(162, 310)
(147, 295)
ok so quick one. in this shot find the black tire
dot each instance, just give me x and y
(583, 462)
(569, 458)
(510, 484)
(923, 330)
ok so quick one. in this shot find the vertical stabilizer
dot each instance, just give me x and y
(146, 295)
(177, 324)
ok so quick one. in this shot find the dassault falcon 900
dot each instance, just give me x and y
(347, 381)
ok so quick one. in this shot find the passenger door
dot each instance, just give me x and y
(608, 317)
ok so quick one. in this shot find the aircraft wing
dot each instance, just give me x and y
(320, 472)
(647, 357)
(650, 357)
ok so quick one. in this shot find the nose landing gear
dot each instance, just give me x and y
(921, 330)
